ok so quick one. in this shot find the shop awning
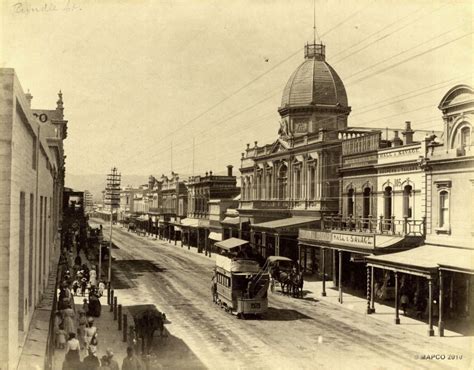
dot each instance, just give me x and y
(230, 221)
(426, 260)
(215, 236)
(286, 223)
(190, 222)
(231, 243)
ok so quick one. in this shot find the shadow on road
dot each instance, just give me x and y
(167, 352)
(283, 314)
(127, 271)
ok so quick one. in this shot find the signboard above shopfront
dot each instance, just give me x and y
(353, 240)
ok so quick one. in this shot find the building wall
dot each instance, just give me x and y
(28, 173)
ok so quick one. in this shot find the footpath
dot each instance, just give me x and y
(108, 335)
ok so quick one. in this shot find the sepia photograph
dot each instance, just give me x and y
(233, 185)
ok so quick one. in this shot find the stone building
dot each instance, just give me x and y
(31, 186)
(292, 182)
(201, 190)
(442, 269)
(174, 206)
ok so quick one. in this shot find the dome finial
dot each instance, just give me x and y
(315, 50)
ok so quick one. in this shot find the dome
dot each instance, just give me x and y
(314, 82)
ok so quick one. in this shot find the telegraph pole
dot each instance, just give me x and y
(112, 198)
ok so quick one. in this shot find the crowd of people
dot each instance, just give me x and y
(74, 329)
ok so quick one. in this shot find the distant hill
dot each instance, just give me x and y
(95, 183)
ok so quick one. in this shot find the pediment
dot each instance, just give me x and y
(279, 146)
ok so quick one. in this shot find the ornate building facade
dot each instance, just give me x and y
(293, 181)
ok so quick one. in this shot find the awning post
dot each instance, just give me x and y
(430, 307)
(277, 244)
(334, 280)
(372, 290)
(340, 277)
(323, 262)
(369, 290)
(397, 316)
(440, 314)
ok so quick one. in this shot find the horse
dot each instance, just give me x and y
(297, 285)
(146, 323)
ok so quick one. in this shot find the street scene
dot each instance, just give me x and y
(236, 185)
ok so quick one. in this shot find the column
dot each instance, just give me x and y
(440, 314)
(189, 238)
(372, 292)
(430, 307)
(240, 232)
(334, 280)
(277, 244)
(397, 317)
(323, 262)
(252, 238)
(264, 243)
(340, 276)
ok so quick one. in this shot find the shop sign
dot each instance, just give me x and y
(353, 240)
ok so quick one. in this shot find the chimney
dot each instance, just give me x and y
(408, 133)
(210, 173)
(248, 146)
(29, 97)
(206, 173)
(229, 170)
(256, 142)
(396, 140)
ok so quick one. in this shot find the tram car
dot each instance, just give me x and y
(240, 284)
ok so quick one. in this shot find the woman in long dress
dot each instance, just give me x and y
(72, 361)
(68, 320)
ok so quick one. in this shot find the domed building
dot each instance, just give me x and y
(293, 181)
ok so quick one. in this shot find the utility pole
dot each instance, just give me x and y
(112, 198)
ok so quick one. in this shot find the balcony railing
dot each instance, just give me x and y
(264, 204)
(381, 225)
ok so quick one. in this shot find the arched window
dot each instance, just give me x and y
(282, 181)
(312, 182)
(387, 201)
(443, 209)
(465, 136)
(366, 203)
(269, 186)
(350, 203)
(297, 183)
(407, 201)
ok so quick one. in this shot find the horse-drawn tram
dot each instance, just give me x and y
(239, 283)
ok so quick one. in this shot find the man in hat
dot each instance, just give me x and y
(112, 363)
(91, 362)
(131, 362)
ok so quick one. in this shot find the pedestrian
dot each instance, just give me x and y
(61, 337)
(83, 286)
(93, 278)
(72, 360)
(91, 331)
(104, 363)
(85, 306)
(57, 322)
(404, 303)
(113, 364)
(101, 289)
(81, 329)
(91, 362)
(131, 362)
(75, 287)
(68, 320)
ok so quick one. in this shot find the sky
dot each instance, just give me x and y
(150, 85)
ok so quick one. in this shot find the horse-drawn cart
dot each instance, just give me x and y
(284, 273)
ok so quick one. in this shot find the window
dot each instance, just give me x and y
(366, 203)
(407, 202)
(350, 203)
(443, 209)
(465, 137)
(282, 182)
(297, 184)
(312, 182)
(387, 197)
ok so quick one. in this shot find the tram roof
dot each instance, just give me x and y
(231, 243)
